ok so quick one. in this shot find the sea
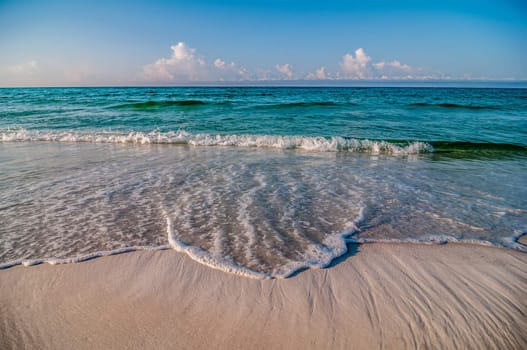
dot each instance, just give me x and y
(258, 181)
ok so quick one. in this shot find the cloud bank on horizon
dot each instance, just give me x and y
(186, 65)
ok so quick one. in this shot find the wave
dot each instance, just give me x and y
(308, 143)
(339, 242)
(454, 106)
(147, 105)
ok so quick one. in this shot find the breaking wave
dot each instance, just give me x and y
(308, 143)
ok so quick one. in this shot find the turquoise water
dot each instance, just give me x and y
(257, 181)
(433, 115)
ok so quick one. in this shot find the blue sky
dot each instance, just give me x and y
(172, 42)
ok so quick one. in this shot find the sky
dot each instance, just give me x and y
(87, 43)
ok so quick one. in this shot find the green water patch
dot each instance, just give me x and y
(454, 106)
(156, 105)
(477, 150)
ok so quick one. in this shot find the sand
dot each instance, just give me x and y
(382, 296)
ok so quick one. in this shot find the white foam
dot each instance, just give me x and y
(442, 239)
(318, 199)
(80, 258)
(322, 255)
(316, 256)
(313, 144)
(215, 262)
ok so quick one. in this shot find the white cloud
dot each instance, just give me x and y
(393, 70)
(320, 74)
(218, 63)
(396, 65)
(285, 69)
(184, 65)
(26, 68)
(221, 64)
(362, 67)
(229, 71)
(244, 73)
(356, 67)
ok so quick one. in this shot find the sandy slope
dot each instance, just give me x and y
(385, 296)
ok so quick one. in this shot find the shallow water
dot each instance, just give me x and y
(261, 194)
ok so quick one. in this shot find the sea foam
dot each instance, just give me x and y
(249, 212)
(307, 143)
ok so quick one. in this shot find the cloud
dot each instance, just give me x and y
(218, 63)
(393, 64)
(362, 67)
(393, 70)
(44, 72)
(285, 69)
(26, 68)
(186, 65)
(356, 67)
(320, 74)
(228, 71)
(183, 65)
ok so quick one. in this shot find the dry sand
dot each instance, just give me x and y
(385, 296)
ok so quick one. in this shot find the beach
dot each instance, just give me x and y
(391, 296)
(263, 175)
(263, 218)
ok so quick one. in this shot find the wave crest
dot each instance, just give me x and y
(313, 144)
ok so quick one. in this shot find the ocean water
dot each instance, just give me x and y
(257, 181)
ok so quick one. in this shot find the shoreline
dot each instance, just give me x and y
(197, 255)
(392, 295)
(522, 239)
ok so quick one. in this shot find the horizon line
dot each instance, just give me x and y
(295, 83)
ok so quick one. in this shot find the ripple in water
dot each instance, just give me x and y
(257, 212)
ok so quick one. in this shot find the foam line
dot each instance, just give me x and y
(308, 143)
(80, 258)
